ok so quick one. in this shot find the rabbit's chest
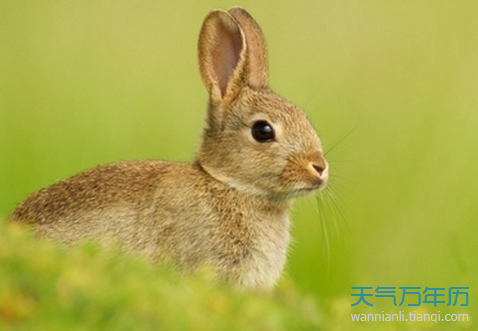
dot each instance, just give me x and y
(266, 254)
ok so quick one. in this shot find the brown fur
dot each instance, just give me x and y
(227, 210)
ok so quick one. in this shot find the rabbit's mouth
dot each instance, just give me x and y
(319, 185)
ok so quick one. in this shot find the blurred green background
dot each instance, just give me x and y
(392, 88)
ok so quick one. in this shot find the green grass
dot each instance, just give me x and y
(83, 83)
(43, 286)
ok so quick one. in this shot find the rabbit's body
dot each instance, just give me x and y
(228, 210)
(141, 206)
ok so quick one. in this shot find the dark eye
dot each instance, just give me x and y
(262, 132)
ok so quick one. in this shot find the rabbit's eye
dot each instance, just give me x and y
(262, 132)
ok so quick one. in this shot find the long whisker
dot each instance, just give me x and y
(325, 231)
(335, 230)
(341, 140)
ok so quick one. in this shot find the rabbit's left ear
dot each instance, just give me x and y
(258, 72)
(222, 56)
(232, 54)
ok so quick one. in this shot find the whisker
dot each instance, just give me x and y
(332, 161)
(341, 140)
(335, 230)
(312, 96)
(324, 232)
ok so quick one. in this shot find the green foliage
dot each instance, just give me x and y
(46, 287)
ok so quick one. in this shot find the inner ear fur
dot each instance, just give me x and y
(222, 56)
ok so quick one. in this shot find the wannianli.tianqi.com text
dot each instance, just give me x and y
(410, 317)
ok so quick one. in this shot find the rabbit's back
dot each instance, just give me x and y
(112, 186)
(110, 202)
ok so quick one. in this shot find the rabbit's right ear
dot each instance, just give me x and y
(258, 72)
(222, 56)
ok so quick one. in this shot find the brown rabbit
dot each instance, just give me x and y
(227, 210)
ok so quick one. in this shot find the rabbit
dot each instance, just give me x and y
(228, 209)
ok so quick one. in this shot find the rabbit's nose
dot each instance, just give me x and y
(320, 168)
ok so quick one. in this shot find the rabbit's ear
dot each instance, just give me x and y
(258, 74)
(222, 56)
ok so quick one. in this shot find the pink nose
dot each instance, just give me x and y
(320, 168)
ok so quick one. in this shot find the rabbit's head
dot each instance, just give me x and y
(255, 141)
